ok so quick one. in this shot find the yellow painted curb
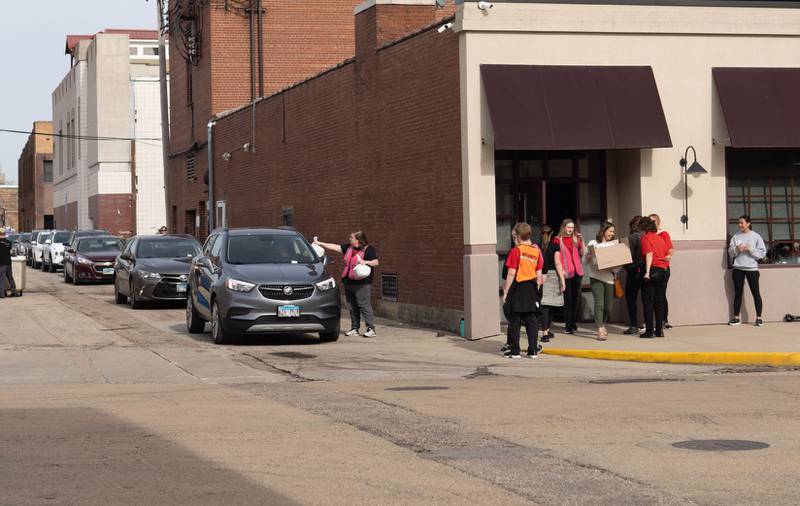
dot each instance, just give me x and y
(684, 357)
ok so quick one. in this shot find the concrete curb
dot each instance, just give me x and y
(684, 357)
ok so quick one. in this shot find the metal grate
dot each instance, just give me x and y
(389, 288)
(190, 173)
(279, 292)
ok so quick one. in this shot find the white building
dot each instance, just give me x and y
(108, 167)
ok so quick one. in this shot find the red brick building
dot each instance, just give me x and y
(372, 143)
(35, 179)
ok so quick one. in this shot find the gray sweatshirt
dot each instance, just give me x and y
(756, 250)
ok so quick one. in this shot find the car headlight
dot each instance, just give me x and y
(84, 261)
(328, 284)
(235, 285)
(149, 275)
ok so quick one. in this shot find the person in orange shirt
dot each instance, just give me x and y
(521, 291)
(664, 235)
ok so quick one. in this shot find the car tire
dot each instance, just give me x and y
(118, 297)
(132, 300)
(217, 330)
(194, 323)
(329, 337)
(75, 280)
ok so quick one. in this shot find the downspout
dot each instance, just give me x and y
(210, 214)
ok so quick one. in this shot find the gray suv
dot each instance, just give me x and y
(257, 281)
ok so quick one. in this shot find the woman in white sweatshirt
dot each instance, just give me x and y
(601, 280)
(746, 249)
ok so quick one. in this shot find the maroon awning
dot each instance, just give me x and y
(761, 106)
(541, 107)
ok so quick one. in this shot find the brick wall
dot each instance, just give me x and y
(9, 202)
(35, 196)
(112, 212)
(66, 217)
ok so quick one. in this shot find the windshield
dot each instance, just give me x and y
(99, 244)
(61, 237)
(42, 237)
(13, 238)
(25, 237)
(170, 248)
(269, 249)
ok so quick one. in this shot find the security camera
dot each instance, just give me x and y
(445, 27)
(484, 6)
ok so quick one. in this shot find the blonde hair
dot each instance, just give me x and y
(523, 231)
(564, 224)
(656, 218)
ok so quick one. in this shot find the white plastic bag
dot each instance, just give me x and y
(361, 271)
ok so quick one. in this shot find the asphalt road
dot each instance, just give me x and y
(100, 404)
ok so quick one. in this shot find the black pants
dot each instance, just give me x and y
(654, 298)
(531, 328)
(738, 290)
(571, 297)
(6, 272)
(666, 300)
(633, 285)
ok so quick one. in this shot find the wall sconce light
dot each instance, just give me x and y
(694, 168)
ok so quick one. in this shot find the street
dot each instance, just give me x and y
(105, 405)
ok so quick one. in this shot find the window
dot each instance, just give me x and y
(765, 184)
(48, 171)
(288, 217)
(389, 288)
(190, 173)
(167, 248)
(209, 244)
(216, 250)
(269, 249)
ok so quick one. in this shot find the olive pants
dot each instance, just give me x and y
(603, 300)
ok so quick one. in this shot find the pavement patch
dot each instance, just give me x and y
(778, 359)
(720, 445)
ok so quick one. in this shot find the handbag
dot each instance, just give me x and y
(619, 292)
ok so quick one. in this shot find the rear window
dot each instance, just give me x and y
(61, 237)
(269, 249)
(171, 248)
(99, 244)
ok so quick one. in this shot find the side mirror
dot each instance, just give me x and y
(48, 241)
(205, 262)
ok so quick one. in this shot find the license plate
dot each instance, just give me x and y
(181, 287)
(108, 271)
(288, 311)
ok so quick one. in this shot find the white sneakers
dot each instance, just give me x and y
(354, 332)
(370, 333)
(351, 333)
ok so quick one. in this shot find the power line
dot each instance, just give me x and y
(81, 137)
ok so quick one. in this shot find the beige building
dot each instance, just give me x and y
(584, 109)
(110, 96)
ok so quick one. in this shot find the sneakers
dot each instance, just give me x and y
(646, 335)
(735, 321)
(370, 332)
(667, 325)
(550, 335)
(512, 356)
(351, 332)
(536, 353)
(545, 338)
(659, 334)
(759, 322)
(506, 347)
(631, 330)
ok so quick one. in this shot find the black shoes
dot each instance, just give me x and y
(505, 348)
(667, 325)
(735, 321)
(630, 331)
(759, 322)
(659, 334)
(646, 335)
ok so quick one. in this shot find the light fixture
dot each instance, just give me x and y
(694, 168)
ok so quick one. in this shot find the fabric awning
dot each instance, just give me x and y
(539, 107)
(761, 106)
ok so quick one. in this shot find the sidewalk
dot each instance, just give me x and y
(776, 344)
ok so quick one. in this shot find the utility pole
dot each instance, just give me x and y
(162, 77)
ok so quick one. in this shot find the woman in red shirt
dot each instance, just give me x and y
(668, 241)
(654, 288)
(572, 250)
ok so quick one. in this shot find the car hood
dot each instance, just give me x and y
(276, 273)
(100, 256)
(165, 265)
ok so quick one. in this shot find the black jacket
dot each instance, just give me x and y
(5, 251)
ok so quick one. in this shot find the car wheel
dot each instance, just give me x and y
(217, 330)
(132, 300)
(75, 280)
(118, 297)
(194, 323)
(329, 337)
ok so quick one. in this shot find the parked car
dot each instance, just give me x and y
(20, 246)
(29, 247)
(38, 248)
(77, 234)
(257, 281)
(92, 259)
(154, 268)
(53, 250)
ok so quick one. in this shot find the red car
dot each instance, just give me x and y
(92, 259)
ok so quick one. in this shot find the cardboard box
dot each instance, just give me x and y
(615, 254)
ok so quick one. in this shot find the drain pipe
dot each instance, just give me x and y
(210, 213)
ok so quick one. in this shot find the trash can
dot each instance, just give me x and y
(18, 270)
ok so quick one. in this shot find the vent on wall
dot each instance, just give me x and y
(190, 174)
(389, 288)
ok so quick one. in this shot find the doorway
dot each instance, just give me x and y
(561, 203)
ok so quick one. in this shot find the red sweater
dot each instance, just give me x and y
(653, 243)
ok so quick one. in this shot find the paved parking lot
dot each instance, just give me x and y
(102, 404)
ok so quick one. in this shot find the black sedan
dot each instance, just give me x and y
(154, 268)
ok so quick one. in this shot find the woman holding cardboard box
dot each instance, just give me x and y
(601, 280)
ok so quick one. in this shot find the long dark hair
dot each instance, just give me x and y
(633, 226)
(546, 231)
(746, 218)
(647, 224)
(602, 233)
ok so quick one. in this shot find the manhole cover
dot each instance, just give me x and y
(720, 445)
(292, 354)
(416, 389)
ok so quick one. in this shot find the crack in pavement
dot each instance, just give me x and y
(531, 473)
